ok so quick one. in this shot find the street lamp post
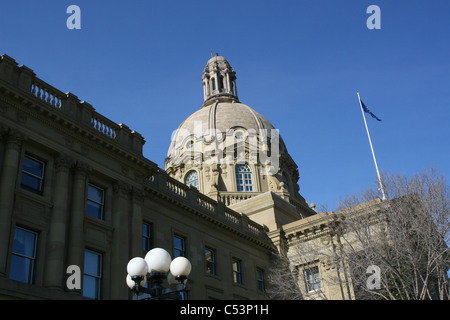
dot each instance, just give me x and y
(155, 268)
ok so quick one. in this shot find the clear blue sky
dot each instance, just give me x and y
(299, 63)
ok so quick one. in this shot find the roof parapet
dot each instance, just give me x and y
(26, 80)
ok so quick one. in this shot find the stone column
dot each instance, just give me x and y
(216, 80)
(120, 254)
(136, 222)
(8, 176)
(208, 88)
(137, 204)
(204, 90)
(77, 213)
(55, 269)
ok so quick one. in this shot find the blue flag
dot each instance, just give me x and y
(368, 111)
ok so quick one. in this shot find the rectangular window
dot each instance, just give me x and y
(179, 246)
(244, 179)
(312, 279)
(210, 257)
(248, 183)
(23, 257)
(92, 276)
(96, 202)
(261, 280)
(147, 236)
(240, 182)
(237, 271)
(33, 175)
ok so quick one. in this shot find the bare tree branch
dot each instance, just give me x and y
(406, 237)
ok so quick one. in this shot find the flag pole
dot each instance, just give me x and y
(371, 147)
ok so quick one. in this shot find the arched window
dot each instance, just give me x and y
(220, 83)
(244, 180)
(192, 179)
(189, 144)
(239, 136)
(213, 82)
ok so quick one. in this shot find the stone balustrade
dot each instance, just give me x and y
(214, 209)
(104, 126)
(46, 93)
(229, 198)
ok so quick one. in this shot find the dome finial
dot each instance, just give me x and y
(219, 80)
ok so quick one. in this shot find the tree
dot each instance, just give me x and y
(374, 249)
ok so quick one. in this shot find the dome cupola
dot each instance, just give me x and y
(219, 80)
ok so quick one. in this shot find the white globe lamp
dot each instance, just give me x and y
(156, 267)
(137, 267)
(158, 260)
(180, 267)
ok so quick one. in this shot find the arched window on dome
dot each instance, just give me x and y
(213, 83)
(192, 179)
(221, 83)
(189, 144)
(239, 136)
(244, 179)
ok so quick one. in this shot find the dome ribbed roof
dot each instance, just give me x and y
(218, 117)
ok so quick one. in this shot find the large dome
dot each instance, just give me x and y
(216, 119)
(228, 150)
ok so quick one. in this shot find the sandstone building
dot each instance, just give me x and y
(76, 190)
